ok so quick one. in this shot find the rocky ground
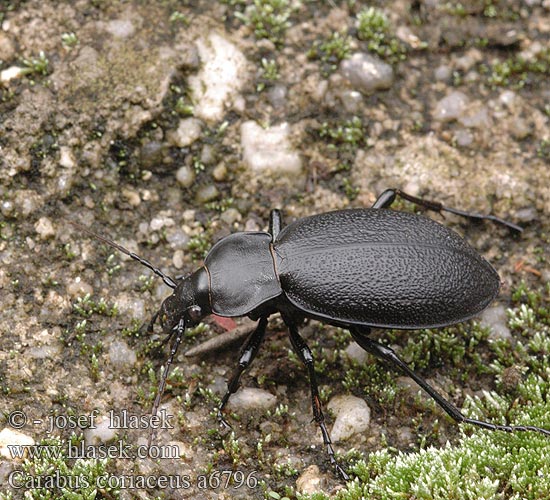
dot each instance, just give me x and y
(167, 125)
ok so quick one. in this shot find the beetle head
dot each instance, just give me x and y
(190, 302)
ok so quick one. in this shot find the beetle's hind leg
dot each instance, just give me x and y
(248, 353)
(388, 197)
(360, 335)
(304, 353)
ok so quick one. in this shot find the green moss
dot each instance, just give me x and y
(269, 73)
(516, 72)
(39, 65)
(331, 51)
(373, 28)
(268, 18)
(70, 479)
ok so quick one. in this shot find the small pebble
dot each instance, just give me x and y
(356, 352)
(129, 305)
(185, 176)
(230, 216)
(220, 172)
(102, 433)
(11, 73)
(66, 157)
(443, 73)
(519, 128)
(463, 138)
(207, 155)
(496, 319)
(120, 355)
(477, 118)
(44, 228)
(7, 47)
(151, 154)
(206, 193)
(367, 73)
(352, 417)
(131, 196)
(120, 28)
(251, 398)
(277, 96)
(508, 98)
(224, 71)
(188, 131)
(451, 107)
(79, 288)
(268, 150)
(310, 481)
(527, 214)
(10, 436)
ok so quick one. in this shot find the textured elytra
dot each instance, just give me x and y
(383, 268)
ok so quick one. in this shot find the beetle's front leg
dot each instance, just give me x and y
(388, 197)
(248, 353)
(304, 353)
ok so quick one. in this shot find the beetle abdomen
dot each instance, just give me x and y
(383, 268)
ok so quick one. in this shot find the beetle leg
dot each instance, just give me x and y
(389, 195)
(178, 332)
(304, 353)
(387, 354)
(248, 353)
(147, 328)
(275, 223)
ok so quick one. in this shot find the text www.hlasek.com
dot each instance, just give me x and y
(102, 451)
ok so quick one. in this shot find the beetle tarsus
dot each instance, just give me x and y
(304, 353)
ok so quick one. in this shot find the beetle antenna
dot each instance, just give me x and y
(167, 280)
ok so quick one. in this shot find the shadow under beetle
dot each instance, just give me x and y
(355, 269)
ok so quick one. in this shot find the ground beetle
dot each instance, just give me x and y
(356, 269)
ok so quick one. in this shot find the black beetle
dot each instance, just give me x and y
(356, 269)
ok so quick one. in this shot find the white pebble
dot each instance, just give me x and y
(367, 73)
(185, 176)
(66, 157)
(121, 355)
(496, 319)
(79, 288)
(102, 433)
(188, 131)
(451, 107)
(352, 417)
(12, 437)
(310, 481)
(44, 228)
(224, 71)
(250, 398)
(268, 151)
(11, 73)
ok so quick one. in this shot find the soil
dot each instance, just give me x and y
(91, 138)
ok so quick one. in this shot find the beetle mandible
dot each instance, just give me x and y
(356, 269)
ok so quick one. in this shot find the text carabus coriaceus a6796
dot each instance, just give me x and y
(356, 269)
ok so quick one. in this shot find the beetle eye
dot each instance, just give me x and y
(195, 313)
